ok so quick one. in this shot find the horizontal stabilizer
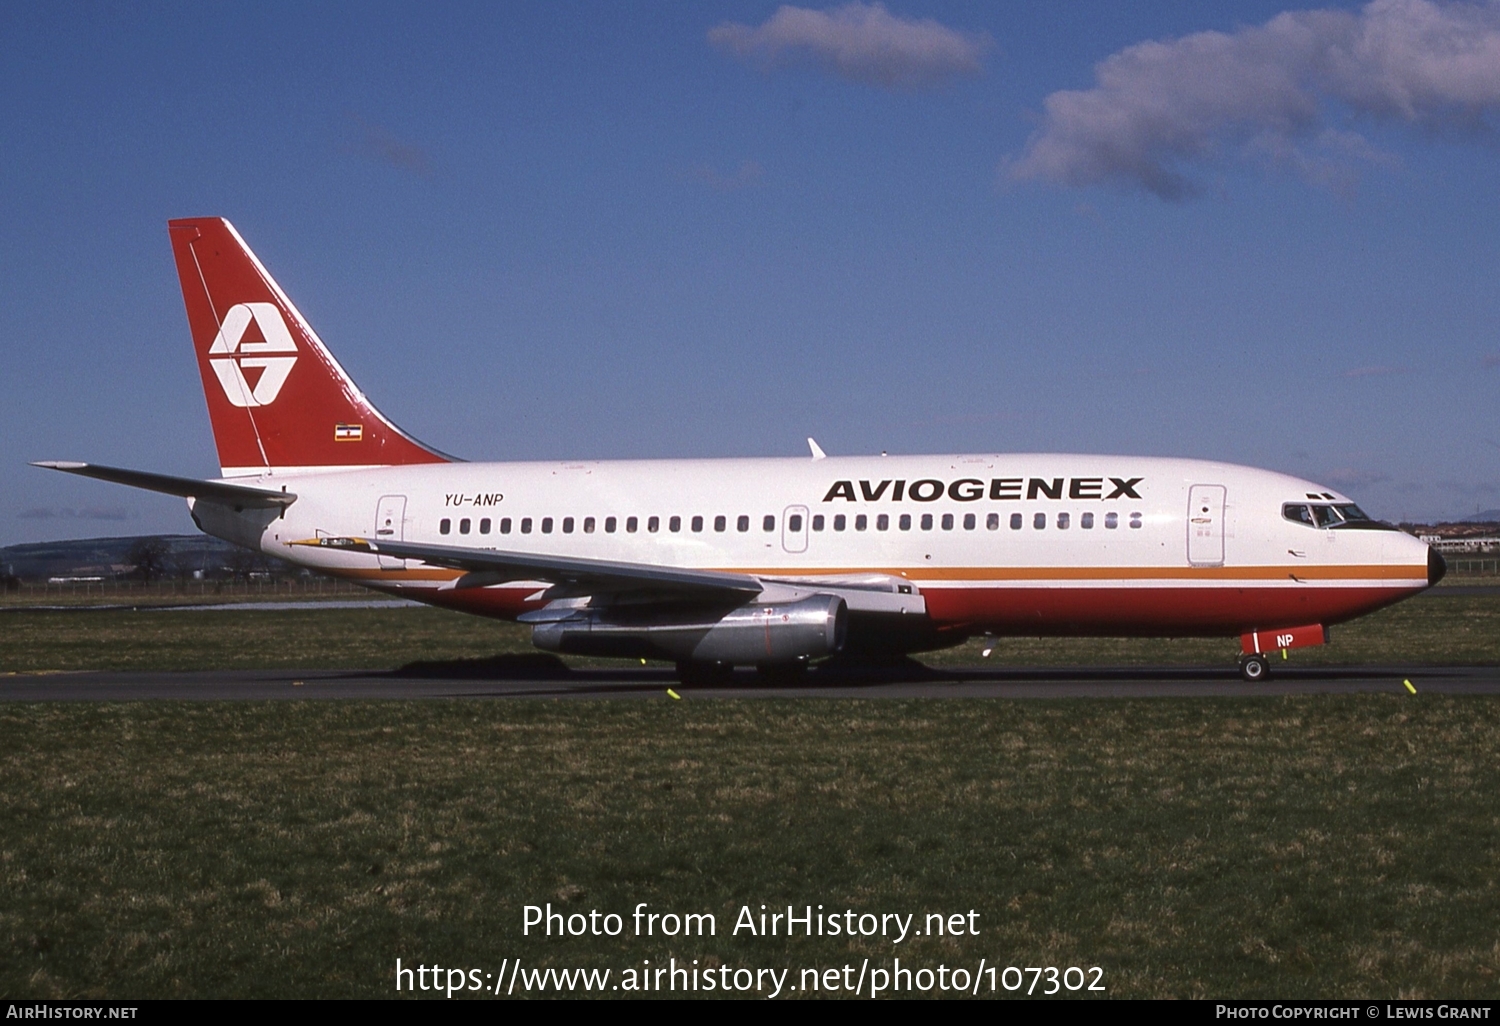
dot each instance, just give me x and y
(489, 566)
(242, 496)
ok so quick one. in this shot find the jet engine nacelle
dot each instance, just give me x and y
(751, 634)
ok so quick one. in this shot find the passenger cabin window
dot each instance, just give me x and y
(697, 524)
(1015, 521)
(463, 526)
(653, 524)
(445, 525)
(992, 522)
(525, 525)
(882, 522)
(1039, 522)
(862, 522)
(546, 525)
(1062, 521)
(947, 521)
(609, 525)
(905, 522)
(817, 522)
(721, 523)
(1111, 521)
(567, 525)
(674, 524)
(588, 525)
(484, 526)
(768, 523)
(505, 525)
(742, 524)
(632, 524)
(794, 523)
(926, 521)
(1086, 521)
(969, 521)
(840, 521)
(1135, 521)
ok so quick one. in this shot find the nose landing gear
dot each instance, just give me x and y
(1255, 668)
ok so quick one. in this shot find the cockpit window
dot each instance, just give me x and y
(1297, 513)
(1326, 516)
(1343, 516)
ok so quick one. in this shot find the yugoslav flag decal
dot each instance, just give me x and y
(230, 355)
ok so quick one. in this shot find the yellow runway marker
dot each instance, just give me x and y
(674, 694)
(1409, 687)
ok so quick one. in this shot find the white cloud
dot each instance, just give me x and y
(1268, 93)
(861, 42)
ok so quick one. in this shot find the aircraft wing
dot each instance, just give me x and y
(570, 576)
(242, 496)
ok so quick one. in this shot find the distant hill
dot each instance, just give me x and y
(106, 557)
(1489, 516)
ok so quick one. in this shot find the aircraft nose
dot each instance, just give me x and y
(1437, 567)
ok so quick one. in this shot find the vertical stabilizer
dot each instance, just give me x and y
(277, 398)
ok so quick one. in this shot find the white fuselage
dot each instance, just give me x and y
(1035, 544)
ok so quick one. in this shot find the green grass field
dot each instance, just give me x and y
(1307, 846)
(1457, 630)
(1320, 846)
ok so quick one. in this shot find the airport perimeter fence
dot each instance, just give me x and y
(1460, 565)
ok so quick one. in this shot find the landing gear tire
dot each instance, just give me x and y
(704, 674)
(1255, 668)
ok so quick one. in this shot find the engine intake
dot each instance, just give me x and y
(769, 633)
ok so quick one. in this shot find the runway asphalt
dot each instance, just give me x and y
(537, 677)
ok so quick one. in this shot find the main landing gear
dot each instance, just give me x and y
(1255, 668)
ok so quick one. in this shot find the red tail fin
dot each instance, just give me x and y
(277, 398)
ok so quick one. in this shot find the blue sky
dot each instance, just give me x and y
(605, 230)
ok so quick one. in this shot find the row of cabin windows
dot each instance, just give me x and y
(794, 523)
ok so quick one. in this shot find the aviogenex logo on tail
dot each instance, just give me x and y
(231, 356)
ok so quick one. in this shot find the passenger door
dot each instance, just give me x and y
(390, 525)
(1205, 525)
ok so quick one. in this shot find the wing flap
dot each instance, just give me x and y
(483, 567)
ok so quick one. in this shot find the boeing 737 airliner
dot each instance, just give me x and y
(767, 562)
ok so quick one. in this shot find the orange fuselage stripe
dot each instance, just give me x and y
(1225, 574)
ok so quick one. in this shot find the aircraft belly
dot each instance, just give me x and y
(1156, 610)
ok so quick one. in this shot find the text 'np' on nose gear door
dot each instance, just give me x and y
(390, 525)
(1205, 525)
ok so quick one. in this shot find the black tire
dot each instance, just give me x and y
(1255, 668)
(696, 674)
